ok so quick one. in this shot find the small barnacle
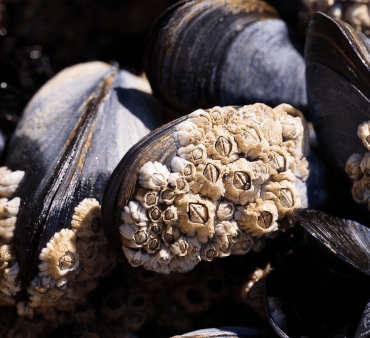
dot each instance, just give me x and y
(277, 161)
(177, 183)
(147, 198)
(360, 191)
(183, 167)
(208, 180)
(257, 218)
(201, 119)
(221, 145)
(155, 214)
(353, 167)
(167, 196)
(180, 247)
(223, 238)
(194, 154)
(239, 185)
(170, 215)
(365, 164)
(363, 132)
(87, 219)
(196, 215)
(135, 256)
(153, 175)
(155, 227)
(208, 251)
(153, 244)
(164, 255)
(128, 231)
(181, 264)
(9, 181)
(225, 211)
(141, 237)
(60, 255)
(134, 213)
(216, 114)
(187, 133)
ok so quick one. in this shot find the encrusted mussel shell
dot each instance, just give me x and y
(72, 134)
(338, 86)
(213, 52)
(217, 182)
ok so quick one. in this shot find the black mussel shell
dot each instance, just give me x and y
(338, 86)
(341, 239)
(207, 53)
(72, 134)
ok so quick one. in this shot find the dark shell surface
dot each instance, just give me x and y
(72, 135)
(229, 332)
(338, 86)
(207, 53)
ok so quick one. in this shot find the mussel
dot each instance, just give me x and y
(216, 182)
(71, 136)
(207, 53)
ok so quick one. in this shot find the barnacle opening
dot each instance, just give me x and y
(227, 190)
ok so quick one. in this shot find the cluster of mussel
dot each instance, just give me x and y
(83, 183)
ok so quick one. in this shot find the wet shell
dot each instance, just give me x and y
(338, 85)
(72, 134)
(206, 53)
(238, 194)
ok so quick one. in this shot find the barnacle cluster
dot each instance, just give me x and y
(70, 264)
(230, 186)
(358, 168)
(9, 207)
(354, 12)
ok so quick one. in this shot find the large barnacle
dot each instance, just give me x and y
(230, 183)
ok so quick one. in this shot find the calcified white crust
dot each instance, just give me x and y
(229, 187)
(356, 13)
(9, 269)
(71, 262)
(358, 168)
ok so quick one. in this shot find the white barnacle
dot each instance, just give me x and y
(135, 256)
(164, 255)
(208, 251)
(134, 213)
(167, 196)
(195, 154)
(147, 198)
(178, 183)
(180, 247)
(201, 119)
(258, 218)
(9, 181)
(223, 238)
(225, 210)
(87, 219)
(153, 175)
(170, 215)
(181, 264)
(127, 231)
(183, 167)
(365, 164)
(187, 133)
(353, 166)
(60, 255)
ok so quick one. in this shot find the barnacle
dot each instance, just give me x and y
(230, 186)
(72, 261)
(358, 167)
(9, 269)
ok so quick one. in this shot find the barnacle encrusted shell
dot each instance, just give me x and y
(72, 134)
(241, 172)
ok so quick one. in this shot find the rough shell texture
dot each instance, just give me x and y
(205, 53)
(72, 134)
(240, 164)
